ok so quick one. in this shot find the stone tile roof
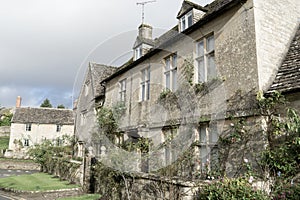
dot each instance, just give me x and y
(98, 73)
(288, 76)
(43, 116)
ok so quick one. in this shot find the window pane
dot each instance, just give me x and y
(143, 92)
(210, 43)
(190, 20)
(148, 90)
(148, 74)
(213, 135)
(211, 69)
(202, 134)
(168, 64)
(183, 23)
(200, 49)
(174, 81)
(143, 75)
(203, 155)
(174, 62)
(201, 71)
(168, 80)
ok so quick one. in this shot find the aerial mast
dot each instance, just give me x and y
(143, 8)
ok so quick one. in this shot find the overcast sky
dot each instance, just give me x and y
(45, 45)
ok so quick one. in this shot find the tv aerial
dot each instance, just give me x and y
(143, 8)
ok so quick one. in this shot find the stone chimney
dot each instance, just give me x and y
(18, 102)
(145, 31)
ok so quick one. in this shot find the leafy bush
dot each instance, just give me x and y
(284, 190)
(230, 189)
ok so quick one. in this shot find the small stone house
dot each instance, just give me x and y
(189, 83)
(31, 126)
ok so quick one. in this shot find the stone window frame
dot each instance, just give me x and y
(28, 127)
(186, 21)
(122, 90)
(205, 59)
(170, 72)
(145, 83)
(208, 143)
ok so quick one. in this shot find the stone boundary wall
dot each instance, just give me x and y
(18, 164)
(4, 131)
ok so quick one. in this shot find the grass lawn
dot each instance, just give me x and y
(83, 197)
(34, 182)
(4, 142)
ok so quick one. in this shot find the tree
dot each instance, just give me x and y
(61, 106)
(5, 119)
(46, 104)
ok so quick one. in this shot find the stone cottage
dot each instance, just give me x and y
(31, 126)
(184, 87)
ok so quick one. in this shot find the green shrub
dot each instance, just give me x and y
(286, 190)
(230, 189)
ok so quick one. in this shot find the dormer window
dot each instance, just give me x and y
(186, 21)
(138, 52)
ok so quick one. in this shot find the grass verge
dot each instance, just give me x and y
(83, 197)
(4, 142)
(35, 182)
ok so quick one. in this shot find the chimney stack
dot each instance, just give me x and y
(145, 31)
(18, 102)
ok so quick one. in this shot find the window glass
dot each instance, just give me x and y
(168, 80)
(203, 134)
(211, 69)
(201, 71)
(190, 19)
(183, 25)
(174, 80)
(200, 49)
(203, 155)
(210, 43)
(213, 134)
(28, 127)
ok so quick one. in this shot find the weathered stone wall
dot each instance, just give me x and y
(18, 164)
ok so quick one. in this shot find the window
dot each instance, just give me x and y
(205, 51)
(208, 146)
(58, 128)
(138, 52)
(145, 84)
(170, 150)
(86, 88)
(171, 72)
(83, 117)
(26, 142)
(186, 21)
(122, 91)
(28, 127)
